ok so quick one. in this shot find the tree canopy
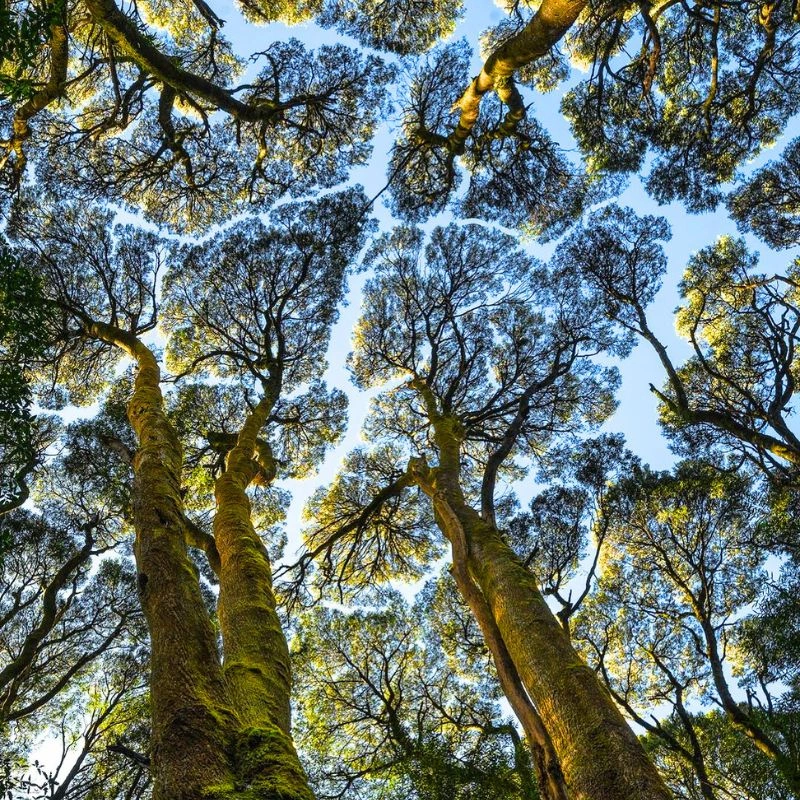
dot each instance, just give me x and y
(212, 588)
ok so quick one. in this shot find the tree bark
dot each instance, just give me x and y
(547, 27)
(256, 665)
(599, 754)
(216, 734)
(548, 770)
(192, 720)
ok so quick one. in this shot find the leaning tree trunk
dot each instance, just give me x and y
(548, 770)
(192, 720)
(256, 665)
(599, 755)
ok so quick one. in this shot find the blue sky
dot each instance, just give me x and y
(636, 416)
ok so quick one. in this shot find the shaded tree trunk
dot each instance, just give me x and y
(548, 770)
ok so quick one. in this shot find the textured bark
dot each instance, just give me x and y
(134, 44)
(548, 771)
(600, 756)
(192, 720)
(256, 666)
(216, 736)
(553, 19)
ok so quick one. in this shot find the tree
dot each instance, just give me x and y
(552, 538)
(683, 563)
(703, 90)
(383, 713)
(217, 727)
(71, 630)
(22, 437)
(738, 387)
(769, 202)
(122, 103)
(488, 357)
(738, 769)
(138, 121)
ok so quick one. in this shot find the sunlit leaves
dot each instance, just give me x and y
(768, 204)
(50, 645)
(733, 765)
(367, 527)
(306, 425)
(385, 715)
(253, 307)
(24, 28)
(681, 573)
(621, 256)
(258, 300)
(743, 327)
(288, 11)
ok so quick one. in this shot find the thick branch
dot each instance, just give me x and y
(553, 19)
(124, 33)
(59, 54)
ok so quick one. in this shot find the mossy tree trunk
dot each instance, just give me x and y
(599, 755)
(192, 720)
(256, 666)
(548, 770)
(214, 736)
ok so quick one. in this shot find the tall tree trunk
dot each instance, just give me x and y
(599, 754)
(548, 771)
(218, 733)
(192, 720)
(256, 657)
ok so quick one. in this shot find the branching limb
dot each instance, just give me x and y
(553, 19)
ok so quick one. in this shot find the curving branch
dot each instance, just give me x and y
(52, 89)
(547, 27)
(50, 613)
